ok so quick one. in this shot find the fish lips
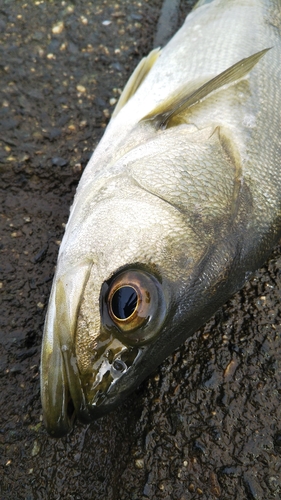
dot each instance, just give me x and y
(61, 388)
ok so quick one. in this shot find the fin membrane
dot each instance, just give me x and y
(183, 99)
(137, 78)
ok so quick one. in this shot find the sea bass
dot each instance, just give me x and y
(179, 203)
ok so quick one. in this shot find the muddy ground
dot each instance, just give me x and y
(207, 424)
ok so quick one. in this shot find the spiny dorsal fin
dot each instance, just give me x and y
(183, 99)
(136, 79)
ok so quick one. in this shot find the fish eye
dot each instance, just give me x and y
(135, 305)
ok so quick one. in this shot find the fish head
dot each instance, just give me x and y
(121, 270)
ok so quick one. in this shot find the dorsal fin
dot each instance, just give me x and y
(136, 79)
(183, 99)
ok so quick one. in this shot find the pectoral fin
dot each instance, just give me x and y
(137, 78)
(163, 115)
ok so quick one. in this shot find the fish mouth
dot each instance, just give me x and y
(95, 394)
(67, 393)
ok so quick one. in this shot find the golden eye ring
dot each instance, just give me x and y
(127, 305)
(124, 301)
(135, 305)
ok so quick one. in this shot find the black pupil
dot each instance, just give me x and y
(124, 302)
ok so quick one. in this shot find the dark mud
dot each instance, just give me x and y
(207, 425)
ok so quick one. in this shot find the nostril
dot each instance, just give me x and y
(119, 365)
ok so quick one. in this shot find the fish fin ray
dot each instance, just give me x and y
(167, 113)
(136, 79)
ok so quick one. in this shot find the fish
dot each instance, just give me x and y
(178, 205)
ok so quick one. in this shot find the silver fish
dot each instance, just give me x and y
(178, 204)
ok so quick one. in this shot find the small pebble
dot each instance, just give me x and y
(59, 162)
(139, 463)
(58, 28)
(80, 88)
(36, 448)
